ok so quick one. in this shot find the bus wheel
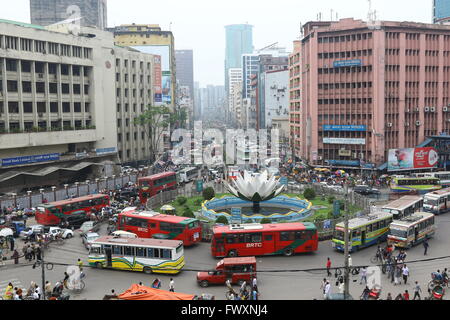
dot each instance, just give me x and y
(147, 270)
(204, 284)
(288, 252)
(232, 254)
(99, 265)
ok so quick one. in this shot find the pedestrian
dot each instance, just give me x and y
(389, 296)
(327, 290)
(39, 291)
(399, 297)
(29, 253)
(11, 243)
(48, 289)
(15, 256)
(35, 295)
(33, 252)
(66, 278)
(171, 285)
(328, 267)
(365, 293)
(425, 246)
(406, 295)
(323, 285)
(417, 291)
(38, 253)
(255, 284)
(405, 272)
(350, 262)
(398, 274)
(363, 275)
(80, 264)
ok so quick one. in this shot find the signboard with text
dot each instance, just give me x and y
(332, 127)
(236, 215)
(30, 159)
(347, 63)
(352, 141)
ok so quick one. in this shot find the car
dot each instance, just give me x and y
(365, 190)
(89, 238)
(76, 219)
(66, 233)
(34, 229)
(89, 226)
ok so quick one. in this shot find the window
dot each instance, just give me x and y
(141, 252)
(256, 237)
(128, 251)
(28, 107)
(117, 250)
(66, 107)
(26, 86)
(11, 86)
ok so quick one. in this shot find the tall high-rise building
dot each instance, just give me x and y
(90, 13)
(185, 72)
(366, 89)
(294, 98)
(239, 41)
(441, 11)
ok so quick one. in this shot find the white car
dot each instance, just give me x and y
(66, 233)
(30, 230)
(89, 238)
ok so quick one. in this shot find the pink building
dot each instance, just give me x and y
(367, 88)
(294, 97)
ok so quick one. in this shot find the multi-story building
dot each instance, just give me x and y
(370, 87)
(441, 11)
(267, 63)
(295, 121)
(56, 105)
(235, 102)
(88, 13)
(149, 38)
(185, 76)
(250, 66)
(239, 41)
(234, 77)
(276, 96)
(253, 104)
(134, 82)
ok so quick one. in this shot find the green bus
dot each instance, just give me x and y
(423, 185)
(363, 231)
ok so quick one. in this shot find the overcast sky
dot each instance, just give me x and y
(199, 24)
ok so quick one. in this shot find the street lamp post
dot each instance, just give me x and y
(114, 179)
(98, 185)
(15, 199)
(41, 191)
(346, 249)
(29, 198)
(54, 192)
(121, 175)
(66, 186)
(88, 183)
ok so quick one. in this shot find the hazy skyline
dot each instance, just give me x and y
(200, 25)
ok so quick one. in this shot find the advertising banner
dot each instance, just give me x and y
(30, 159)
(344, 141)
(166, 87)
(345, 153)
(105, 150)
(157, 80)
(349, 163)
(410, 159)
(236, 215)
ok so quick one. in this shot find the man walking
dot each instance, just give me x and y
(327, 290)
(425, 246)
(417, 291)
(171, 285)
(363, 275)
(405, 272)
(328, 267)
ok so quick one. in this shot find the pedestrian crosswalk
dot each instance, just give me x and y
(14, 282)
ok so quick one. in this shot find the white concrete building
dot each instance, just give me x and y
(57, 119)
(276, 96)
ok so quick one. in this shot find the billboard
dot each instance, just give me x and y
(344, 141)
(163, 51)
(157, 80)
(347, 63)
(410, 159)
(30, 159)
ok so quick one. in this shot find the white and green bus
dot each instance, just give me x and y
(410, 231)
(363, 231)
(143, 255)
(405, 206)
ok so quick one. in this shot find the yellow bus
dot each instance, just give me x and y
(411, 230)
(143, 255)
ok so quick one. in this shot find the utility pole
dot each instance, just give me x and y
(43, 274)
(346, 251)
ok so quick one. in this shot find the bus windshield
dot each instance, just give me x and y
(399, 233)
(193, 225)
(339, 235)
(433, 202)
(144, 183)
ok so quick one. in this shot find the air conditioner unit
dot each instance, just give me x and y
(418, 123)
(389, 125)
(417, 109)
(40, 75)
(433, 109)
(445, 109)
(406, 124)
(355, 155)
(320, 158)
(408, 110)
(427, 109)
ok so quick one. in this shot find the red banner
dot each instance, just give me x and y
(425, 158)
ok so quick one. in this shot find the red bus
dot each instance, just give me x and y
(50, 214)
(264, 239)
(151, 186)
(146, 224)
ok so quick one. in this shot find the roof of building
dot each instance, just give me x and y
(22, 24)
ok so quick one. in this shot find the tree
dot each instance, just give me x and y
(209, 193)
(187, 213)
(222, 220)
(155, 120)
(181, 200)
(309, 194)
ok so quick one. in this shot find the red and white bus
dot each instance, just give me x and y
(146, 224)
(152, 185)
(50, 214)
(264, 239)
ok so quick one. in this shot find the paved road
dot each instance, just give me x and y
(274, 286)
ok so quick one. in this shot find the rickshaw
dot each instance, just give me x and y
(437, 293)
(437, 280)
(169, 210)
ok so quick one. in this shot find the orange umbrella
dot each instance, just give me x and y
(137, 292)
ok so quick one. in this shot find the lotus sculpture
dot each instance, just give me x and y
(255, 188)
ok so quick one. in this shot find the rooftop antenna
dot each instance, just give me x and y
(331, 14)
(370, 14)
